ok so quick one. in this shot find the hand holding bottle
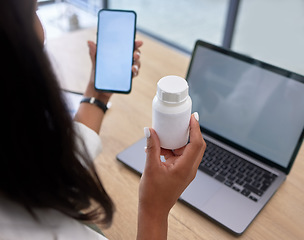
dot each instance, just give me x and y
(163, 182)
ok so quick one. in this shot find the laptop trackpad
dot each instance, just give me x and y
(201, 190)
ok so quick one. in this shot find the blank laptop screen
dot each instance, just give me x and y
(251, 106)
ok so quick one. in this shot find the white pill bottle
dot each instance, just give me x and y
(171, 112)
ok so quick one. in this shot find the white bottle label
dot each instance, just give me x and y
(172, 129)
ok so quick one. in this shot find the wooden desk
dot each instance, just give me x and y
(283, 216)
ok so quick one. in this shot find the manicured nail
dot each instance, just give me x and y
(136, 67)
(196, 116)
(147, 132)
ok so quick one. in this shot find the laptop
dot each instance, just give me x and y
(252, 119)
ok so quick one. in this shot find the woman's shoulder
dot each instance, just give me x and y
(17, 223)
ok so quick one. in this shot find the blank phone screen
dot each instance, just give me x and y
(115, 46)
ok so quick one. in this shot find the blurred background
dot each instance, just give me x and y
(271, 30)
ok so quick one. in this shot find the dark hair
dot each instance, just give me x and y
(40, 164)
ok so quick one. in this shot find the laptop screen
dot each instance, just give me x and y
(250, 103)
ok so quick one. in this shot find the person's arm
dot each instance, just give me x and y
(89, 114)
(163, 182)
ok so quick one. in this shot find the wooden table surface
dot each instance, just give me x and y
(282, 217)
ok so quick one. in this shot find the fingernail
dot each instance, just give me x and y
(147, 132)
(136, 67)
(145, 149)
(196, 116)
(137, 53)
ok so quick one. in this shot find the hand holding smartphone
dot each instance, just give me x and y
(115, 46)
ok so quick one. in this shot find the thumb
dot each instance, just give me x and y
(153, 147)
(92, 51)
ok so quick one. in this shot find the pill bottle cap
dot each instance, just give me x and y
(172, 89)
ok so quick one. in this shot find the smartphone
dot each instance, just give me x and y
(115, 45)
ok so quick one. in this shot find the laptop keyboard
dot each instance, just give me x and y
(235, 172)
